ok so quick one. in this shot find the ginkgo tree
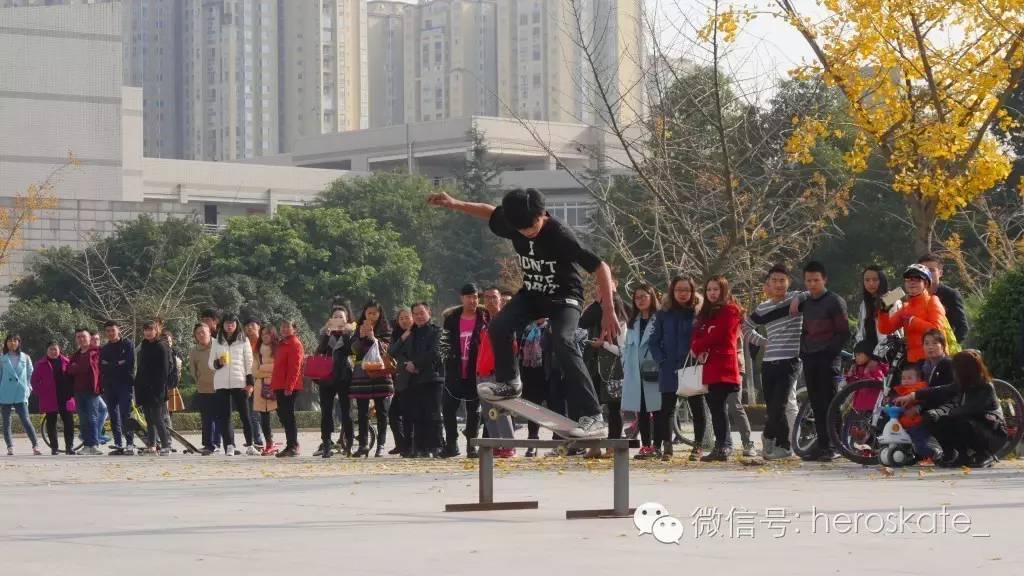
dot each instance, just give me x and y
(25, 206)
(925, 83)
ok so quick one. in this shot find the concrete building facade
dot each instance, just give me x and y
(385, 51)
(61, 92)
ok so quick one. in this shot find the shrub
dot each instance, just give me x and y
(997, 332)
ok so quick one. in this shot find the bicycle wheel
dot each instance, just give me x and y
(850, 429)
(804, 436)
(683, 424)
(1012, 404)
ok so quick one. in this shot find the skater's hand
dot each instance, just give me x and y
(596, 343)
(440, 200)
(904, 400)
(609, 325)
(248, 389)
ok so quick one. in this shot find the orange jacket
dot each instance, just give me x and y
(918, 315)
(906, 420)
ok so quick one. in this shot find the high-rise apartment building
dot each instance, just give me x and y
(324, 75)
(385, 52)
(544, 72)
(451, 60)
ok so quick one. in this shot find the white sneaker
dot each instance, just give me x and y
(590, 427)
(250, 451)
(165, 451)
(90, 451)
(779, 453)
(768, 446)
(497, 391)
(229, 450)
(129, 450)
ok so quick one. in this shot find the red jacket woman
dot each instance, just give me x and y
(53, 390)
(287, 374)
(717, 335)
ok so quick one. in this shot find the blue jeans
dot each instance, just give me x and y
(925, 445)
(22, 409)
(101, 418)
(254, 419)
(118, 399)
(88, 405)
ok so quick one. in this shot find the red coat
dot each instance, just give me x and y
(50, 391)
(717, 336)
(84, 369)
(287, 374)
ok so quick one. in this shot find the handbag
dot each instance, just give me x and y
(649, 370)
(614, 389)
(265, 391)
(174, 401)
(318, 367)
(690, 378)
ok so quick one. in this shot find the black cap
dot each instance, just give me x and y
(468, 289)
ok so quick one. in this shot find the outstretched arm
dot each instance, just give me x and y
(475, 209)
(606, 292)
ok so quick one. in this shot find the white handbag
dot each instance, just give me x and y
(690, 378)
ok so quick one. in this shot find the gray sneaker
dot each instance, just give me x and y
(165, 451)
(768, 446)
(90, 451)
(496, 391)
(590, 427)
(749, 451)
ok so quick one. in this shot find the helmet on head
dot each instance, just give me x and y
(918, 271)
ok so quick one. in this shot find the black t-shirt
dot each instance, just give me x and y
(550, 260)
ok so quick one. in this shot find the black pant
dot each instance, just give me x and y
(69, 427)
(967, 433)
(422, 403)
(820, 374)
(225, 398)
(614, 419)
(718, 395)
(268, 432)
(700, 421)
(396, 419)
(535, 389)
(643, 419)
(155, 411)
(664, 417)
(328, 392)
(208, 406)
(450, 401)
(778, 378)
(363, 408)
(286, 414)
(564, 319)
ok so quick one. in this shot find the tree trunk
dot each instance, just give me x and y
(922, 213)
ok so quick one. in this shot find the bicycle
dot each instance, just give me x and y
(855, 433)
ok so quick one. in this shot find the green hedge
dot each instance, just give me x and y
(997, 332)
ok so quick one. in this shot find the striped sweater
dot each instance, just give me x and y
(784, 331)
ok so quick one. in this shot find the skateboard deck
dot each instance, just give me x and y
(534, 413)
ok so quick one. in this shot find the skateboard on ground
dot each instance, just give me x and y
(537, 414)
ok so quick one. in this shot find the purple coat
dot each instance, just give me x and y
(46, 387)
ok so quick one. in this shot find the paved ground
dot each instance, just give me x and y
(189, 514)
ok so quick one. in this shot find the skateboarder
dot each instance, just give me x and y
(549, 254)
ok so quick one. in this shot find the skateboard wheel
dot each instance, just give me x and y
(493, 414)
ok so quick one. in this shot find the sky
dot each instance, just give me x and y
(765, 49)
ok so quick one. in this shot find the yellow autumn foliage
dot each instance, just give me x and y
(925, 81)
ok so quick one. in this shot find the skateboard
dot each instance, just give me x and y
(537, 414)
